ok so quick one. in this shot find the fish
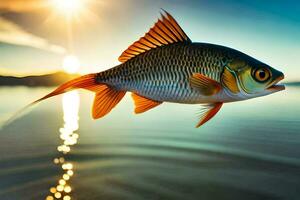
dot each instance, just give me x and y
(166, 66)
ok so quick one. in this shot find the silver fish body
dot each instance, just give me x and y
(162, 74)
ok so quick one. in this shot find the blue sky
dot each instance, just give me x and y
(267, 30)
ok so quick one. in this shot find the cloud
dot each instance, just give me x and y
(14, 34)
(22, 5)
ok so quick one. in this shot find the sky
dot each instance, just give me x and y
(35, 35)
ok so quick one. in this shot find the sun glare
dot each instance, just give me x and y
(68, 6)
(71, 64)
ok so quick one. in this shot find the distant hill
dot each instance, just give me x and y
(41, 80)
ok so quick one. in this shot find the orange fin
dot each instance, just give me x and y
(143, 104)
(229, 80)
(106, 99)
(85, 82)
(165, 31)
(208, 112)
(204, 84)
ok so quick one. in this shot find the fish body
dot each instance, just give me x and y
(163, 73)
(166, 66)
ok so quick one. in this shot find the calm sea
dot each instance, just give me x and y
(250, 150)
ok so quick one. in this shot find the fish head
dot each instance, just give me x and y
(255, 78)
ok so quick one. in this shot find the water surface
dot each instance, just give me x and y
(250, 150)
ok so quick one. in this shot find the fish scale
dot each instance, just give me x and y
(162, 74)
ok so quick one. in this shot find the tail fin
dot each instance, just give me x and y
(85, 82)
(106, 98)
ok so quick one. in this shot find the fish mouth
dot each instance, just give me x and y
(277, 87)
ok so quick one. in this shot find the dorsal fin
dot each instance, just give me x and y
(165, 31)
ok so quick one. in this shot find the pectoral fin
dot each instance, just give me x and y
(204, 84)
(143, 104)
(208, 112)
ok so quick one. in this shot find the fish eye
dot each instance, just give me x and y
(261, 74)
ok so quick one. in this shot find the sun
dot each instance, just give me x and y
(71, 64)
(68, 7)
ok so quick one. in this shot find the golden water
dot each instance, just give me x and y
(62, 188)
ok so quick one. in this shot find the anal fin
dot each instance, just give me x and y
(106, 99)
(208, 112)
(143, 104)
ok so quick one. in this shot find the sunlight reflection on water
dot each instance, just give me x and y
(70, 102)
